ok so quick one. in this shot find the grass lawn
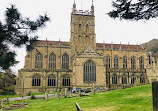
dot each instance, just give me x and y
(131, 99)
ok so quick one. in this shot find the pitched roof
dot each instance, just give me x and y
(99, 45)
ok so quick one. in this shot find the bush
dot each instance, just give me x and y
(33, 97)
(29, 94)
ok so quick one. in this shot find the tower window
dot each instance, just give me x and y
(87, 30)
(79, 30)
(89, 71)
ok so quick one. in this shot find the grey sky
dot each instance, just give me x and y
(107, 29)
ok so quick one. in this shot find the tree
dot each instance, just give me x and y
(16, 31)
(134, 9)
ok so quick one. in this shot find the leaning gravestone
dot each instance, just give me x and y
(46, 95)
(65, 92)
(79, 93)
(155, 95)
(93, 91)
(58, 96)
(61, 92)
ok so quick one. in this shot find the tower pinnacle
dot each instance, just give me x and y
(92, 8)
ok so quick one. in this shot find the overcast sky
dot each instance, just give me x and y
(107, 29)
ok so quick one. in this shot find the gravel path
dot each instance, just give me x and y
(27, 97)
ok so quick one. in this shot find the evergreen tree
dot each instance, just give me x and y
(16, 31)
(134, 9)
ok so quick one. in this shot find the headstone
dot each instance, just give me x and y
(46, 95)
(70, 93)
(7, 99)
(61, 92)
(54, 94)
(79, 93)
(155, 95)
(58, 96)
(65, 92)
(92, 90)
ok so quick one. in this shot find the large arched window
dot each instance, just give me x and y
(89, 72)
(116, 62)
(51, 80)
(107, 62)
(133, 78)
(142, 79)
(114, 79)
(39, 60)
(52, 61)
(65, 61)
(36, 80)
(124, 62)
(66, 80)
(124, 79)
(141, 63)
(107, 77)
(133, 63)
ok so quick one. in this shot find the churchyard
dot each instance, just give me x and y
(131, 99)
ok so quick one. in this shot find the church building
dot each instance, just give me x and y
(82, 62)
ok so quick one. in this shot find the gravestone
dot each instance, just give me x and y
(61, 92)
(70, 93)
(155, 95)
(7, 99)
(92, 90)
(58, 95)
(65, 92)
(79, 93)
(46, 95)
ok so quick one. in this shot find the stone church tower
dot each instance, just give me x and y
(82, 29)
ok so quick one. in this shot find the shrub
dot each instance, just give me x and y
(29, 93)
(33, 97)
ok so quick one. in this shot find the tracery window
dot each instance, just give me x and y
(107, 77)
(39, 60)
(124, 62)
(142, 79)
(141, 62)
(52, 80)
(52, 61)
(124, 79)
(65, 61)
(89, 71)
(114, 79)
(133, 63)
(133, 78)
(66, 80)
(116, 62)
(107, 62)
(36, 80)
